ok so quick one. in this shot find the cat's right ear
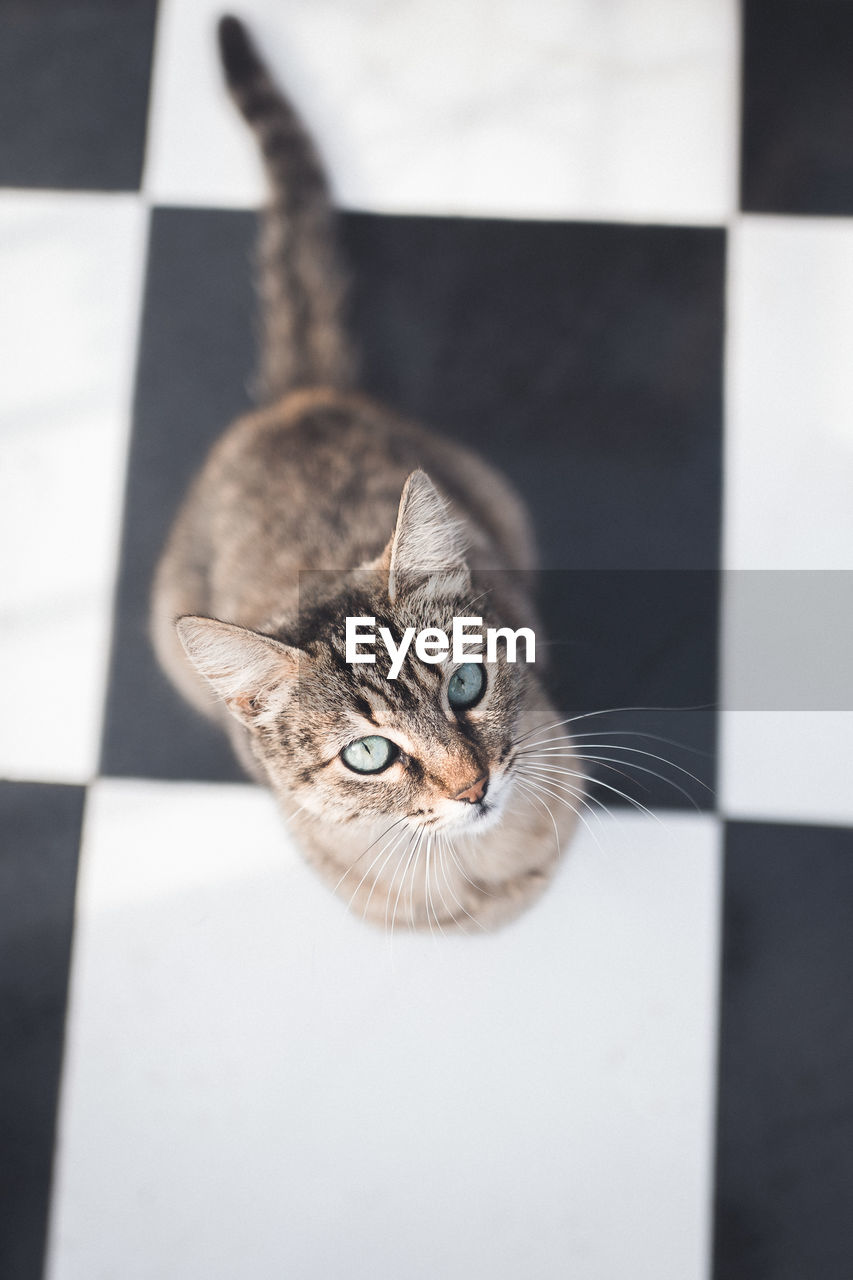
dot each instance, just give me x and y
(253, 674)
(427, 545)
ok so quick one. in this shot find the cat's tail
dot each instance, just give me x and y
(300, 284)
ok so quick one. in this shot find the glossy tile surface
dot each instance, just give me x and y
(74, 84)
(548, 262)
(797, 107)
(38, 865)
(625, 111)
(72, 268)
(282, 1065)
(786, 1054)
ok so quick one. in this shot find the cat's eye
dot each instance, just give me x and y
(466, 686)
(370, 755)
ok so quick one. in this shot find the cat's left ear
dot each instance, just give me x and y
(251, 673)
(427, 546)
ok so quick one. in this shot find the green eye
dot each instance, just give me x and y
(466, 686)
(369, 755)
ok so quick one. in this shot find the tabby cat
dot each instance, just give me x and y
(407, 796)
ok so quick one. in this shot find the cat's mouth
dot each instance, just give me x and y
(473, 818)
(479, 817)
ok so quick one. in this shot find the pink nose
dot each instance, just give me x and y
(475, 792)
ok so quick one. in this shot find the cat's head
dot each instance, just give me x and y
(432, 747)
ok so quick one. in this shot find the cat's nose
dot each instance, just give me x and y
(475, 792)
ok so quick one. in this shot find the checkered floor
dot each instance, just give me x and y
(611, 245)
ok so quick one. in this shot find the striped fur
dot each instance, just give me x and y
(300, 282)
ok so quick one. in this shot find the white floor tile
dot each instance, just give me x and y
(71, 267)
(792, 766)
(523, 108)
(784, 752)
(257, 1085)
(789, 395)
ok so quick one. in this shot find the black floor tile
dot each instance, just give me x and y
(645, 644)
(797, 114)
(74, 78)
(196, 353)
(39, 841)
(785, 1127)
(585, 360)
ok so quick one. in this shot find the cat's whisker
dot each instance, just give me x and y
(608, 763)
(604, 711)
(439, 871)
(288, 817)
(432, 854)
(478, 887)
(422, 850)
(436, 876)
(548, 783)
(442, 863)
(426, 887)
(355, 863)
(427, 847)
(395, 850)
(537, 789)
(410, 924)
(543, 728)
(552, 755)
(535, 779)
(455, 859)
(408, 859)
(527, 787)
(395, 841)
(442, 869)
(412, 862)
(471, 603)
(585, 777)
(635, 804)
(639, 733)
(400, 869)
(573, 742)
(593, 804)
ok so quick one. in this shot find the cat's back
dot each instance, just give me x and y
(314, 481)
